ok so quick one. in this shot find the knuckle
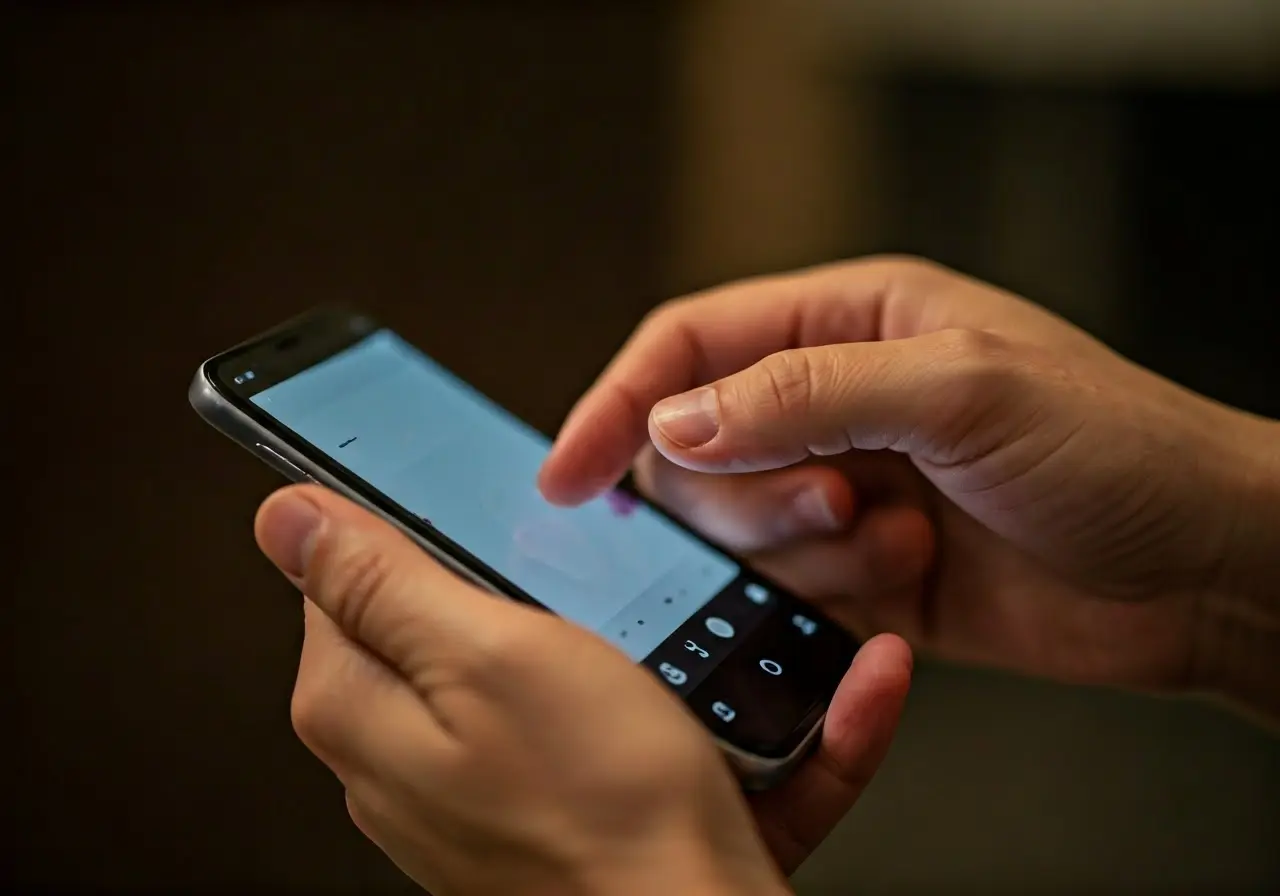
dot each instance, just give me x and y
(317, 716)
(904, 268)
(784, 383)
(369, 808)
(977, 352)
(358, 811)
(979, 370)
(665, 315)
(355, 810)
(352, 576)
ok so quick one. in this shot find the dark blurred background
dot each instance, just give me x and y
(513, 185)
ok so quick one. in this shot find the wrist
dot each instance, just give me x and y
(672, 881)
(1237, 655)
(686, 868)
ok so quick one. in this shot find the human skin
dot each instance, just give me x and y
(489, 747)
(923, 453)
(917, 452)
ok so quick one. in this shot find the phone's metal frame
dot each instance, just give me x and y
(754, 771)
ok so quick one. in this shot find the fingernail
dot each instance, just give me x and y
(814, 512)
(689, 420)
(288, 533)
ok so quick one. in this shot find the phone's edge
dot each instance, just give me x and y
(756, 772)
(246, 432)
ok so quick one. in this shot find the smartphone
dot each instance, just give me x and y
(338, 399)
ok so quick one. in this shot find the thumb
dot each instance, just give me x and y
(940, 397)
(380, 589)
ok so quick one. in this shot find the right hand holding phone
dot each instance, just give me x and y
(926, 454)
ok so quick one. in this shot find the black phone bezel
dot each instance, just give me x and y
(311, 338)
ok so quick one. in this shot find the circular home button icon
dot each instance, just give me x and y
(771, 667)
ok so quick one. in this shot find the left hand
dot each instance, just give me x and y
(489, 747)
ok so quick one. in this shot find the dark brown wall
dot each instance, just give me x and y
(484, 176)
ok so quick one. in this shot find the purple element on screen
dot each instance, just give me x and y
(621, 503)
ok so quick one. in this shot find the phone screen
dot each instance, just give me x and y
(389, 423)
(451, 457)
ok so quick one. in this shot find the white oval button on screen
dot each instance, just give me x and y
(719, 627)
(771, 667)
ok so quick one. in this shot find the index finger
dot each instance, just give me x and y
(695, 340)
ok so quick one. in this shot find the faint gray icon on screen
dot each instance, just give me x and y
(694, 648)
(806, 625)
(719, 627)
(771, 667)
(673, 674)
(757, 594)
(723, 711)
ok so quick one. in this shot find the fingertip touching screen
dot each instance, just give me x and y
(448, 455)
